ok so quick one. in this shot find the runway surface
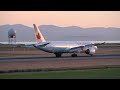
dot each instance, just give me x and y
(42, 63)
(37, 58)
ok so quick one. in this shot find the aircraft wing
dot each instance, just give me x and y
(80, 48)
(76, 49)
(96, 44)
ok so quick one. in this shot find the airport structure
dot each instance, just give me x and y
(12, 36)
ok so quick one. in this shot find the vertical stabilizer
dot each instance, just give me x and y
(38, 34)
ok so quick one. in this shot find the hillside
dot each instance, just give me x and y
(52, 33)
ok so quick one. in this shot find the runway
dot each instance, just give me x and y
(37, 58)
(65, 62)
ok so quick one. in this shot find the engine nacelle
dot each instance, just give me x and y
(95, 47)
(90, 51)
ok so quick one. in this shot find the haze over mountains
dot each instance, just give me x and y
(56, 33)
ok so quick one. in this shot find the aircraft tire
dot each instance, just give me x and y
(58, 54)
(74, 55)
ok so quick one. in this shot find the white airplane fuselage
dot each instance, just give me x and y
(64, 46)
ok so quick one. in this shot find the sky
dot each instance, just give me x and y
(62, 18)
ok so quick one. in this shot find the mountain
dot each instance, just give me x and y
(78, 33)
(52, 33)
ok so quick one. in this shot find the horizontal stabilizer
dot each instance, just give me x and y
(41, 45)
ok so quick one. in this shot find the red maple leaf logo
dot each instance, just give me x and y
(38, 36)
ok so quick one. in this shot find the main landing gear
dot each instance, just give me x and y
(58, 54)
(74, 55)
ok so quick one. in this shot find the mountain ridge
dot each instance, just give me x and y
(53, 32)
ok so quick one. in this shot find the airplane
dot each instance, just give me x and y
(60, 47)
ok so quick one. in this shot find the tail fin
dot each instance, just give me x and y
(39, 36)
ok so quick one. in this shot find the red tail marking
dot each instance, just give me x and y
(38, 36)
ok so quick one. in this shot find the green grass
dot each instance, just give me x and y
(108, 73)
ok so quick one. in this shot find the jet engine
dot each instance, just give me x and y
(90, 51)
